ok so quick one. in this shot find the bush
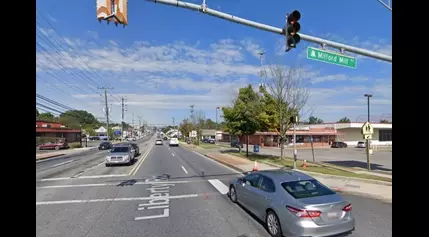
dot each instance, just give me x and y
(75, 145)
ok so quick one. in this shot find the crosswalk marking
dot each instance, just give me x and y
(221, 187)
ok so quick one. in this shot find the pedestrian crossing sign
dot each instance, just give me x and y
(367, 129)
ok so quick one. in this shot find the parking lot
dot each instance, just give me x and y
(381, 160)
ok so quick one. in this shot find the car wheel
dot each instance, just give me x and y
(107, 165)
(232, 194)
(273, 224)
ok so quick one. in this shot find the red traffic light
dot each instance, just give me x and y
(294, 17)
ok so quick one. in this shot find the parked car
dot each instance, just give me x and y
(158, 142)
(60, 143)
(361, 145)
(105, 146)
(123, 154)
(339, 145)
(292, 203)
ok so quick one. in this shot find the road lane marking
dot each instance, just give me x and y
(113, 184)
(165, 214)
(160, 194)
(221, 187)
(143, 158)
(115, 199)
(183, 168)
(172, 154)
(62, 163)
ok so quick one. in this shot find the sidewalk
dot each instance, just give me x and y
(364, 187)
(62, 152)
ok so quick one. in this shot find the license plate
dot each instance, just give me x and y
(332, 214)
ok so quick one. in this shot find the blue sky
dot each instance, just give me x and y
(168, 58)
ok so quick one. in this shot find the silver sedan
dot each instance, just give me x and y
(292, 203)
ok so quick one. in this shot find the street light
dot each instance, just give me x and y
(368, 96)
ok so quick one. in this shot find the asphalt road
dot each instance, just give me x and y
(196, 205)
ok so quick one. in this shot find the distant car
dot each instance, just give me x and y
(165, 138)
(120, 154)
(292, 203)
(174, 142)
(105, 146)
(339, 145)
(361, 145)
(158, 142)
(135, 146)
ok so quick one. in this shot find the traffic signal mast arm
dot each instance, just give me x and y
(344, 47)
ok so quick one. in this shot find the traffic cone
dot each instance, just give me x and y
(255, 166)
(304, 165)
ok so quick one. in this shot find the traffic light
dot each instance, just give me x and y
(293, 119)
(292, 29)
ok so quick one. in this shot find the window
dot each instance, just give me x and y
(306, 189)
(120, 149)
(252, 179)
(267, 185)
(385, 135)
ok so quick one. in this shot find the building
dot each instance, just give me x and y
(352, 132)
(56, 130)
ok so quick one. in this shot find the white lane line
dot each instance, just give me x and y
(62, 163)
(222, 188)
(172, 154)
(112, 184)
(114, 199)
(142, 158)
(183, 168)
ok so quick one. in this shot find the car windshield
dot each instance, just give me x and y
(306, 189)
(120, 149)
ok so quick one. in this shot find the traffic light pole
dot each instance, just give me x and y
(343, 47)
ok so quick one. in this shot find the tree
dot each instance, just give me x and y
(344, 120)
(82, 116)
(69, 122)
(314, 120)
(47, 117)
(384, 121)
(37, 113)
(289, 94)
(186, 127)
(244, 117)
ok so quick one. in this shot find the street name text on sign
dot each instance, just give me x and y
(331, 57)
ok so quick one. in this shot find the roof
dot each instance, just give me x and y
(285, 175)
(351, 125)
(55, 130)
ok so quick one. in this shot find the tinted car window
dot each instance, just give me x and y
(267, 185)
(120, 149)
(252, 179)
(105, 143)
(306, 189)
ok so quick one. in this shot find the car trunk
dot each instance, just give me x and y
(330, 206)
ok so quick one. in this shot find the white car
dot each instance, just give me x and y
(174, 142)
(361, 144)
(158, 142)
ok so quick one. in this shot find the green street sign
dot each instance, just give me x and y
(331, 57)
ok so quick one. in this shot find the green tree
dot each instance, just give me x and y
(314, 120)
(69, 122)
(48, 117)
(186, 127)
(82, 116)
(344, 120)
(244, 117)
(37, 113)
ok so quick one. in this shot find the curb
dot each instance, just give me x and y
(47, 157)
(379, 182)
(226, 164)
(361, 194)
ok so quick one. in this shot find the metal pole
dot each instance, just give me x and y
(122, 118)
(368, 158)
(294, 146)
(275, 30)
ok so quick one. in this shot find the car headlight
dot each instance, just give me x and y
(126, 157)
(107, 158)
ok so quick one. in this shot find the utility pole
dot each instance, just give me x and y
(173, 123)
(368, 143)
(280, 31)
(132, 133)
(122, 116)
(106, 107)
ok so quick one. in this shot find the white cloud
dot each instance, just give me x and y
(178, 74)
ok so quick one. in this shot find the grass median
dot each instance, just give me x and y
(311, 167)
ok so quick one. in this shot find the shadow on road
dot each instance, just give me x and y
(358, 164)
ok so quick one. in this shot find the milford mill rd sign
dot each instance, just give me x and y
(331, 57)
